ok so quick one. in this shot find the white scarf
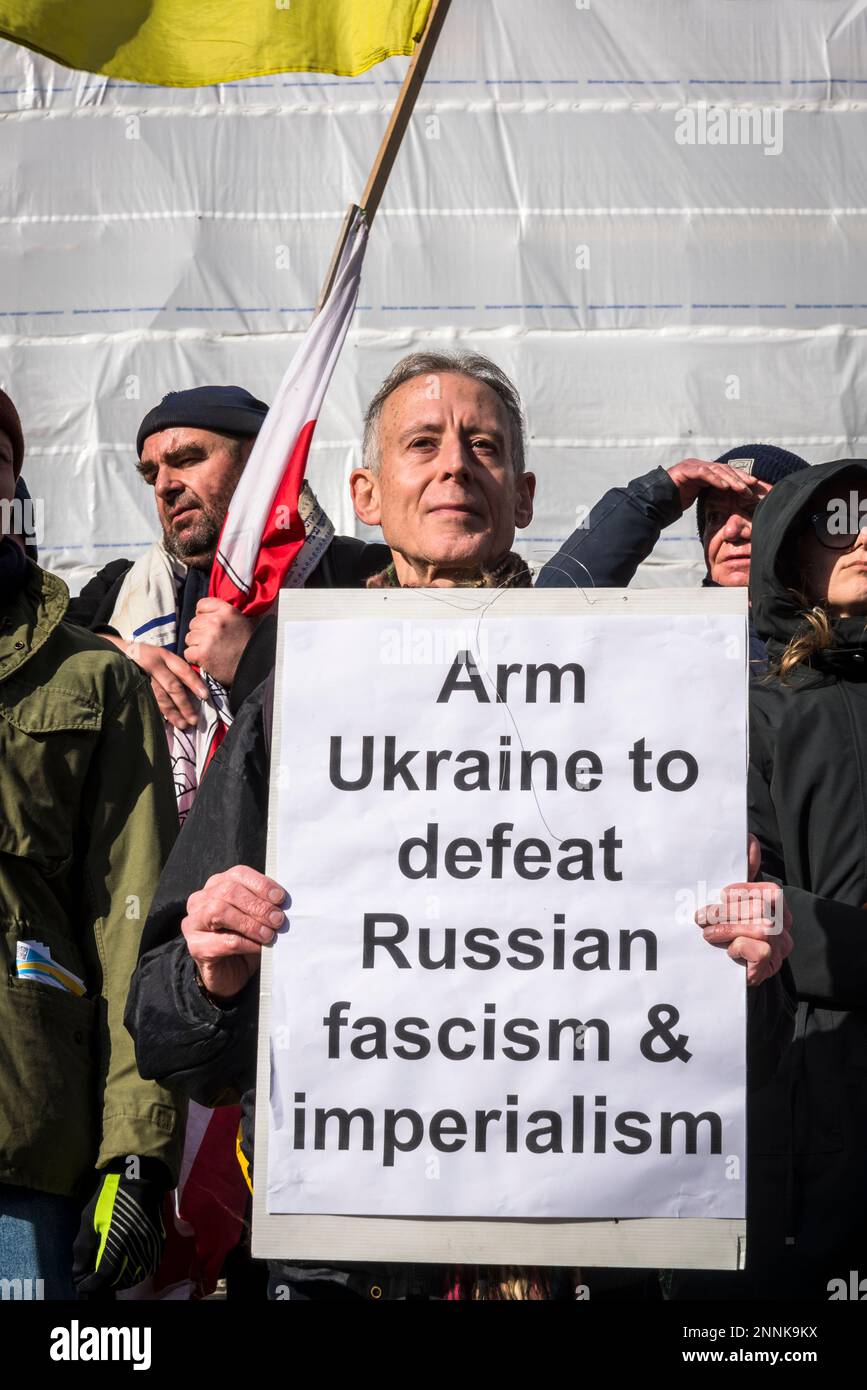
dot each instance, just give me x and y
(147, 610)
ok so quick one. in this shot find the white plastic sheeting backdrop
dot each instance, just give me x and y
(652, 299)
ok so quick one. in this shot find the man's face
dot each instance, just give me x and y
(445, 494)
(193, 473)
(728, 526)
(7, 472)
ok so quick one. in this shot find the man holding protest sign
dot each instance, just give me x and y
(444, 476)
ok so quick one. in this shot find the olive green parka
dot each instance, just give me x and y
(87, 818)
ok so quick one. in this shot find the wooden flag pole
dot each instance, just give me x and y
(391, 141)
(335, 257)
(403, 108)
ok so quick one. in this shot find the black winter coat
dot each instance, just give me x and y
(807, 1179)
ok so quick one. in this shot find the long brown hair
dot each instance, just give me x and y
(816, 634)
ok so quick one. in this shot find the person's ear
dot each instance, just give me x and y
(364, 491)
(525, 491)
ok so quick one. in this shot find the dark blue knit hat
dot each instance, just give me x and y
(764, 461)
(224, 409)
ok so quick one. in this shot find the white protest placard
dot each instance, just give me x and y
(496, 816)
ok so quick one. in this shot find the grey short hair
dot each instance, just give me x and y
(470, 364)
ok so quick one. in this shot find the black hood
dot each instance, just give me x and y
(776, 614)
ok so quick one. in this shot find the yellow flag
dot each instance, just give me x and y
(194, 43)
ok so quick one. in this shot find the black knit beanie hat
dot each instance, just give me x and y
(224, 409)
(764, 461)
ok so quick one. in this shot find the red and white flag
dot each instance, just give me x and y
(263, 533)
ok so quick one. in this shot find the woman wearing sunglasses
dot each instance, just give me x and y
(807, 1176)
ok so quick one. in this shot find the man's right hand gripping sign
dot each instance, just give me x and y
(227, 924)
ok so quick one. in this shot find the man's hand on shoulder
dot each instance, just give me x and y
(227, 924)
(176, 686)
